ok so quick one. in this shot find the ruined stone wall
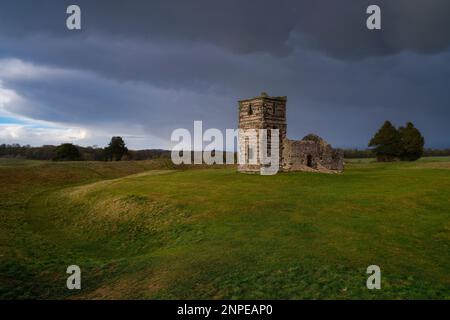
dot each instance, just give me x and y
(333, 160)
(296, 155)
(311, 155)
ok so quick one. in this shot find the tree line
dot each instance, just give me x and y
(388, 144)
(116, 150)
(369, 153)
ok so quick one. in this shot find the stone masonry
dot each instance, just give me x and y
(312, 153)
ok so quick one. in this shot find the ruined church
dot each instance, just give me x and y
(312, 153)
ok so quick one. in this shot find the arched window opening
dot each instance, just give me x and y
(309, 161)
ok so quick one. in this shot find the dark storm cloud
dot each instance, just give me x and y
(334, 27)
(163, 64)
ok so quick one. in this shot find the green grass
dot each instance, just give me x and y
(144, 230)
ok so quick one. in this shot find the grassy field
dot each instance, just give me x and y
(147, 230)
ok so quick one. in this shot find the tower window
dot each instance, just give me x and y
(250, 110)
(248, 151)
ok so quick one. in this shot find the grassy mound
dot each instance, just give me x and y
(145, 230)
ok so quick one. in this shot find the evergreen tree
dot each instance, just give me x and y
(412, 143)
(116, 149)
(386, 143)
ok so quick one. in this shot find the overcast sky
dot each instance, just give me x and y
(141, 69)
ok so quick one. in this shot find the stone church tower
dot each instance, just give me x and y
(312, 153)
(262, 112)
